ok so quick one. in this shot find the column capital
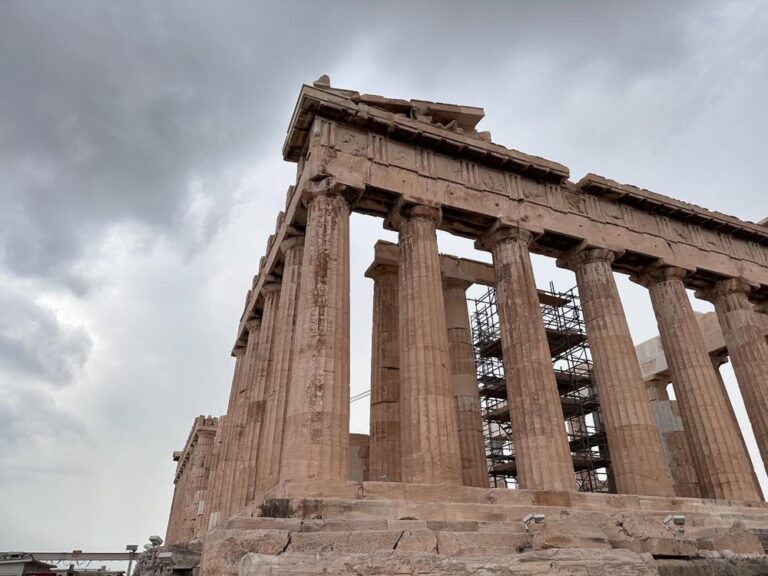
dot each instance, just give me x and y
(271, 288)
(252, 324)
(460, 282)
(659, 273)
(238, 351)
(503, 232)
(422, 211)
(585, 254)
(403, 211)
(328, 186)
(724, 288)
(291, 242)
(378, 270)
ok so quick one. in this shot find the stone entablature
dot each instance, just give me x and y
(387, 158)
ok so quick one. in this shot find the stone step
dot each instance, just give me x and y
(372, 524)
(445, 542)
(390, 510)
(467, 539)
(393, 563)
(403, 492)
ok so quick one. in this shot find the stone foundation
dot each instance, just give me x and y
(393, 528)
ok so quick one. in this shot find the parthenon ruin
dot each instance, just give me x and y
(287, 492)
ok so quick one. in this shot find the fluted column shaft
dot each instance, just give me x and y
(316, 437)
(179, 521)
(270, 445)
(474, 467)
(186, 519)
(717, 361)
(384, 447)
(171, 530)
(222, 442)
(214, 493)
(245, 482)
(235, 457)
(201, 462)
(538, 429)
(748, 350)
(722, 466)
(429, 440)
(637, 458)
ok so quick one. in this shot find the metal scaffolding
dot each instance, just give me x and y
(572, 363)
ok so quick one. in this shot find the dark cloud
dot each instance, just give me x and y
(112, 111)
(35, 346)
(38, 436)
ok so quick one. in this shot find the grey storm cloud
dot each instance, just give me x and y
(30, 425)
(109, 111)
(35, 346)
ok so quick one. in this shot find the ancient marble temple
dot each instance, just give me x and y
(278, 486)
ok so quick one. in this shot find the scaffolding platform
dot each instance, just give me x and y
(581, 464)
(559, 343)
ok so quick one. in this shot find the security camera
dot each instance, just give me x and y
(537, 518)
(676, 519)
(156, 540)
(131, 547)
(527, 518)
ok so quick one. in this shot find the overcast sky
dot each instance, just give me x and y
(141, 173)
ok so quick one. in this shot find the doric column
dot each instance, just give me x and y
(542, 453)
(235, 457)
(222, 451)
(384, 447)
(722, 466)
(474, 467)
(248, 463)
(214, 485)
(717, 361)
(179, 519)
(748, 350)
(429, 441)
(637, 459)
(201, 471)
(173, 517)
(270, 446)
(316, 436)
